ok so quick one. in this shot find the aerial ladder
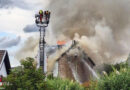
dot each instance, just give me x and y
(42, 21)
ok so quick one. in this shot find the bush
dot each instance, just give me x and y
(110, 68)
(59, 84)
(117, 80)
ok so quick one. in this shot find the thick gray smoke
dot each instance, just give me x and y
(29, 49)
(103, 24)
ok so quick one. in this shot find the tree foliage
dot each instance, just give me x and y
(26, 78)
(110, 68)
(116, 79)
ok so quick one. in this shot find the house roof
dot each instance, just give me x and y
(4, 58)
(74, 45)
(2, 54)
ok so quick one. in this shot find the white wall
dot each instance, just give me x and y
(3, 71)
(55, 71)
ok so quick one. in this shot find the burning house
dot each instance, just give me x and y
(72, 63)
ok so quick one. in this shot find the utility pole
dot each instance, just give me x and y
(42, 21)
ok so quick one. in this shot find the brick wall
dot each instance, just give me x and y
(64, 69)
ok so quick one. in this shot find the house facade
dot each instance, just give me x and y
(74, 64)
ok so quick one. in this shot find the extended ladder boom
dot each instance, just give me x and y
(42, 21)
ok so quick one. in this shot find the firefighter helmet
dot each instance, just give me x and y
(40, 12)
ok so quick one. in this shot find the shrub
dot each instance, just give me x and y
(117, 80)
(110, 68)
(59, 84)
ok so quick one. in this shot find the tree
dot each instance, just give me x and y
(26, 78)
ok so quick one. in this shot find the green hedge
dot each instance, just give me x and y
(59, 84)
(118, 78)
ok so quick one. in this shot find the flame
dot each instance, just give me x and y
(61, 42)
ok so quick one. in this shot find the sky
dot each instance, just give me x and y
(16, 19)
(102, 27)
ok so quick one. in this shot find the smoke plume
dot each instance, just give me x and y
(102, 26)
(29, 49)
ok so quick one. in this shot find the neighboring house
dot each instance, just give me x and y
(4, 63)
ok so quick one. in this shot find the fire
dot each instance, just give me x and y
(61, 42)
